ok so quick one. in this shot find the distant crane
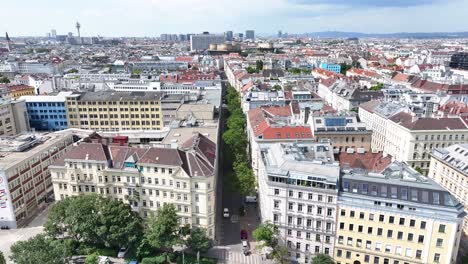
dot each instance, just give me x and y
(78, 26)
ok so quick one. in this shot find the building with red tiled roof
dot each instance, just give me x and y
(372, 162)
(362, 73)
(142, 176)
(325, 74)
(272, 124)
(18, 90)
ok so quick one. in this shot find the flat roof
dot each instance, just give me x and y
(119, 96)
(14, 150)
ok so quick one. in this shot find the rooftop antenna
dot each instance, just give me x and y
(78, 26)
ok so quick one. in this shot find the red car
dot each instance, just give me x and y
(243, 234)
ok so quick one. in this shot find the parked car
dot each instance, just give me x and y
(226, 213)
(122, 252)
(251, 199)
(243, 234)
(132, 262)
(245, 247)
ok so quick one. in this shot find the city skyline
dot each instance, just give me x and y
(153, 17)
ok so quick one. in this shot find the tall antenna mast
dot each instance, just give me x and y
(78, 26)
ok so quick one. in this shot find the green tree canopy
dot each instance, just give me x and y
(92, 259)
(2, 258)
(259, 65)
(39, 249)
(322, 259)
(251, 70)
(246, 178)
(199, 241)
(4, 79)
(95, 220)
(163, 229)
(276, 87)
(267, 232)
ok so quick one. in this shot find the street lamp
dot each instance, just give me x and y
(181, 248)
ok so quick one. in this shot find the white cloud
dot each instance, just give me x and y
(152, 17)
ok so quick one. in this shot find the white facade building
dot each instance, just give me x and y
(298, 192)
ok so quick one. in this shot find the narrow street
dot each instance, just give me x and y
(229, 249)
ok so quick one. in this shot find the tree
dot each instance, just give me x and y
(251, 70)
(322, 259)
(92, 259)
(246, 178)
(377, 87)
(95, 220)
(259, 64)
(276, 87)
(267, 232)
(344, 68)
(163, 229)
(4, 79)
(40, 249)
(356, 64)
(199, 241)
(2, 258)
(279, 254)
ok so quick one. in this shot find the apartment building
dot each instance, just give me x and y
(114, 111)
(397, 216)
(343, 130)
(298, 191)
(203, 41)
(13, 117)
(25, 182)
(158, 66)
(272, 124)
(146, 178)
(19, 90)
(408, 138)
(449, 168)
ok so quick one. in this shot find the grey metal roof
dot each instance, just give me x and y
(120, 96)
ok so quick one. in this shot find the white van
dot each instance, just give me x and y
(251, 199)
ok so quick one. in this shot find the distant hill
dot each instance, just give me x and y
(419, 35)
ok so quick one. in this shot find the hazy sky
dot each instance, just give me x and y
(153, 17)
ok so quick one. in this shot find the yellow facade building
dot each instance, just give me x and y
(396, 217)
(115, 111)
(19, 90)
(449, 168)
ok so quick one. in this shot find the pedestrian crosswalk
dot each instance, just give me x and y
(228, 256)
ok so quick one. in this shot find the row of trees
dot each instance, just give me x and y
(94, 225)
(268, 234)
(236, 144)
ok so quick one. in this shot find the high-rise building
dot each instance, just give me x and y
(250, 34)
(53, 33)
(449, 168)
(396, 216)
(114, 111)
(182, 37)
(145, 177)
(229, 35)
(203, 41)
(8, 40)
(280, 34)
(459, 61)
